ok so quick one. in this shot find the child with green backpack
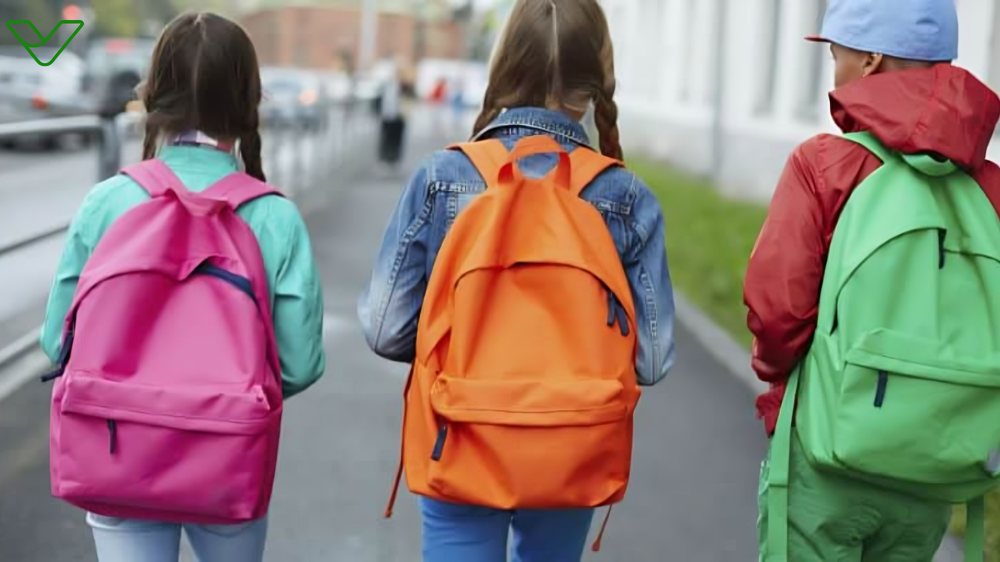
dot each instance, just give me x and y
(874, 300)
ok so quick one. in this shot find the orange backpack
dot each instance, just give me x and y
(523, 388)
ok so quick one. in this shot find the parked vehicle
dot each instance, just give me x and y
(114, 68)
(29, 91)
(294, 98)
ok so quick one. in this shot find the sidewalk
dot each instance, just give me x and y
(697, 450)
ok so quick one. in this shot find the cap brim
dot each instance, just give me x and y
(817, 39)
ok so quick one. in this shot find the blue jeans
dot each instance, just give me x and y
(134, 540)
(465, 533)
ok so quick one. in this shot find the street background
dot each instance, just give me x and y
(712, 94)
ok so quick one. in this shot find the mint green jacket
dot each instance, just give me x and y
(293, 279)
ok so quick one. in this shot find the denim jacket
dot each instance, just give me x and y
(447, 181)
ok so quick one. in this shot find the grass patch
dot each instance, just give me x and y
(992, 525)
(709, 239)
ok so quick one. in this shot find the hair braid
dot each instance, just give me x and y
(605, 108)
(250, 148)
(150, 140)
(606, 118)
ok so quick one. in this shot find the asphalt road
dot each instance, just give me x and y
(698, 446)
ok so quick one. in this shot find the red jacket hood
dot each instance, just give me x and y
(943, 109)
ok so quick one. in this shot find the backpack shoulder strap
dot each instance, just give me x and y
(872, 143)
(488, 156)
(239, 188)
(586, 166)
(154, 176)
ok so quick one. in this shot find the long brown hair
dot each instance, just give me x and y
(204, 76)
(555, 54)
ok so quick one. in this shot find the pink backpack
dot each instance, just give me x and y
(167, 402)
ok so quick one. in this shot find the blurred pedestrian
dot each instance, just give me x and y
(499, 433)
(874, 295)
(185, 287)
(457, 105)
(438, 101)
(392, 118)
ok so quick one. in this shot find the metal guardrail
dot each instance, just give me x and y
(331, 144)
(108, 129)
(111, 133)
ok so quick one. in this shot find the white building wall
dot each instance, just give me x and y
(775, 84)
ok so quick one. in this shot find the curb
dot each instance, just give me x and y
(735, 359)
(718, 343)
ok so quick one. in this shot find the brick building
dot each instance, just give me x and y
(319, 37)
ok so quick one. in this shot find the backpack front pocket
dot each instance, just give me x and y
(907, 413)
(531, 443)
(197, 452)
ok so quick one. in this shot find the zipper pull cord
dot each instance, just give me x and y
(112, 436)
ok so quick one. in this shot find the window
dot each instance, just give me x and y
(654, 58)
(770, 32)
(689, 16)
(993, 78)
(808, 107)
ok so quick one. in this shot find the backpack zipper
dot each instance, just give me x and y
(616, 312)
(112, 436)
(439, 443)
(941, 235)
(63, 359)
(883, 382)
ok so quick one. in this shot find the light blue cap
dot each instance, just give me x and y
(925, 30)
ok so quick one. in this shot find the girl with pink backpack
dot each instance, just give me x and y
(185, 309)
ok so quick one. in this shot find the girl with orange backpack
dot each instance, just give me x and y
(524, 276)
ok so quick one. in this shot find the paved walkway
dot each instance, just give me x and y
(698, 446)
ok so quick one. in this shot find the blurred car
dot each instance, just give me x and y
(29, 91)
(293, 99)
(114, 67)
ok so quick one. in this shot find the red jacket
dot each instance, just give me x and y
(943, 110)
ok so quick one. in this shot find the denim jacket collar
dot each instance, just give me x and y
(544, 120)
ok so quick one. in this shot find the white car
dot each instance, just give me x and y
(293, 98)
(29, 91)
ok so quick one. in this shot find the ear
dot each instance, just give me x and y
(871, 64)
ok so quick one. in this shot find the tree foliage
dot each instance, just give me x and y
(40, 12)
(116, 18)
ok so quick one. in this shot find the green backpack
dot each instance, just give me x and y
(901, 386)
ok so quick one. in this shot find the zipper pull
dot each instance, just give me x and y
(622, 318)
(611, 307)
(67, 347)
(53, 374)
(942, 233)
(439, 444)
(112, 436)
